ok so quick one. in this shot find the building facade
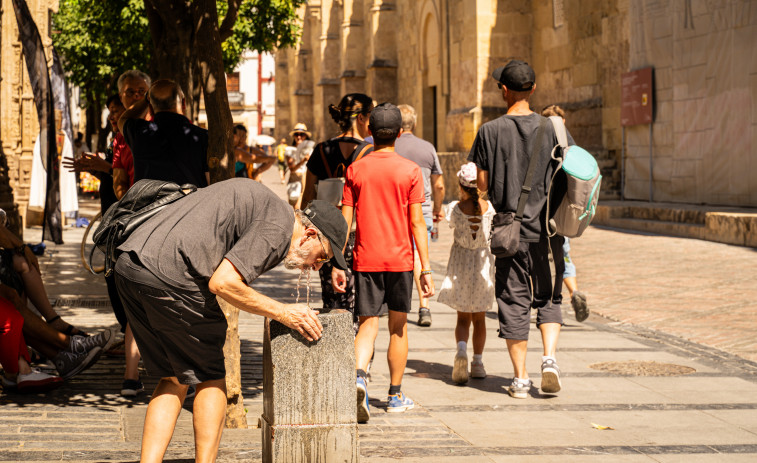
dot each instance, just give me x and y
(438, 55)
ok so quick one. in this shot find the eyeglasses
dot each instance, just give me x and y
(132, 93)
(325, 259)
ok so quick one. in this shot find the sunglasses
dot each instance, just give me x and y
(499, 85)
(325, 259)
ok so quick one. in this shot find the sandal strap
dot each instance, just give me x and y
(54, 319)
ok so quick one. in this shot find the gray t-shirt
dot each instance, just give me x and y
(422, 153)
(237, 219)
(503, 148)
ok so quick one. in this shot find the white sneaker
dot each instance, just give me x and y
(460, 368)
(477, 370)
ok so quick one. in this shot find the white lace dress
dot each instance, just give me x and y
(469, 284)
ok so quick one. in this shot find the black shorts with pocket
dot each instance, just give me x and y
(376, 288)
(179, 332)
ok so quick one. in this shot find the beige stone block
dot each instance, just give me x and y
(753, 95)
(696, 81)
(559, 58)
(681, 53)
(662, 26)
(664, 111)
(663, 77)
(585, 73)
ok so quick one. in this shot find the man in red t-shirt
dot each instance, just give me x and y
(385, 192)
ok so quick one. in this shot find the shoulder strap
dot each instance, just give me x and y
(525, 190)
(325, 161)
(560, 132)
(363, 151)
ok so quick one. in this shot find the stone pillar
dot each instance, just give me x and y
(381, 75)
(309, 394)
(352, 38)
(327, 84)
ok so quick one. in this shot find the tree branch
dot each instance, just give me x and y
(227, 26)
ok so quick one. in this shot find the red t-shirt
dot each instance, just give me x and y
(122, 158)
(381, 187)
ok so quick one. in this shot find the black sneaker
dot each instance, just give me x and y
(580, 308)
(104, 340)
(131, 387)
(70, 364)
(424, 317)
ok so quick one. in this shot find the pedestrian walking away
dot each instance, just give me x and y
(328, 165)
(381, 186)
(172, 267)
(469, 285)
(507, 151)
(577, 298)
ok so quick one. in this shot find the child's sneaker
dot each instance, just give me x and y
(519, 390)
(550, 376)
(477, 370)
(399, 403)
(460, 368)
(363, 407)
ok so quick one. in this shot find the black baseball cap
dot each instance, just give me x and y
(517, 76)
(328, 219)
(385, 116)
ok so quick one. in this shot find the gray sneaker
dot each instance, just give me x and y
(424, 317)
(580, 308)
(519, 390)
(550, 377)
(70, 364)
(104, 340)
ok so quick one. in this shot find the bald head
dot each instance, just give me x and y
(166, 95)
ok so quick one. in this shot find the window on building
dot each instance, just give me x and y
(232, 82)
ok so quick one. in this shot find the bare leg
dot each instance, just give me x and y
(571, 284)
(397, 353)
(517, 349)
(34, 288)
(132, 355)
(364, 340)
(479, 332)
(35, 327)
(43, 346)
(462, 329)
(160, 420)
(549, 334)
(208, 415)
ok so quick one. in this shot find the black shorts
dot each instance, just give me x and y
(179, 332)
(373, 289)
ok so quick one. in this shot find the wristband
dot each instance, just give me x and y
(426, 272)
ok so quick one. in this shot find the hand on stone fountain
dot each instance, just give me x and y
(338, 280)
(303, 319)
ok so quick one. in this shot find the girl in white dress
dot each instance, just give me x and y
(469, 284)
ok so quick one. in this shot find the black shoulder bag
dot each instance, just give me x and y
(505, 235)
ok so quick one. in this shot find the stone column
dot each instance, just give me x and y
(352, 74)
(309, 393)
(381, 75)
(327, 84)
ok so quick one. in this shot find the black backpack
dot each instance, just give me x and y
(143, 200)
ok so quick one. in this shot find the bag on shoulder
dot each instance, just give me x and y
(583, 180)
(332, 188)
(505, 234)
(143, 200)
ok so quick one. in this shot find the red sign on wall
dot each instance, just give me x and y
(636, 97)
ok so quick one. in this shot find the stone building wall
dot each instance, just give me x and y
(18, 115)
(438, 55)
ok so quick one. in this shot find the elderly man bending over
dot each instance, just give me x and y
(174, 265)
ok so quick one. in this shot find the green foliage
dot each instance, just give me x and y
(97, 40)
(262, 25)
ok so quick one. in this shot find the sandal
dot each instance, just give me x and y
(70, 330)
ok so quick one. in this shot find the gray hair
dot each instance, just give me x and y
(307, 223)
(132, 74)
(409, 117)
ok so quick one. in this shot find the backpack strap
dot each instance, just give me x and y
(363, 152)
(325, 161)
(525, 190)
(560, 132)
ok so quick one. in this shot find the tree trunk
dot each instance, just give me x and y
(220, 146)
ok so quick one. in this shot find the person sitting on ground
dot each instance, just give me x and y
(577, 298)
(380, 186)
(15, 358)
(296, 163)
(469, 285)
(70, 354)
(249, 156)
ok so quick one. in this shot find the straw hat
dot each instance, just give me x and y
(300, 128)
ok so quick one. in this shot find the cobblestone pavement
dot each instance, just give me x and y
(658, 300)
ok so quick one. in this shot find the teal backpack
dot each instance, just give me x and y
(579, 204)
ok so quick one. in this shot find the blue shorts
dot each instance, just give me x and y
(570, 268)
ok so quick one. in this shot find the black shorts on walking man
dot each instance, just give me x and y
(502, 151)
(213, 242)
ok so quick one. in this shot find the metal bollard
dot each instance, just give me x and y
(309, 396)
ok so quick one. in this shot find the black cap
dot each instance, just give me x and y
(329, 221)
(517, 76)
(385, 116)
